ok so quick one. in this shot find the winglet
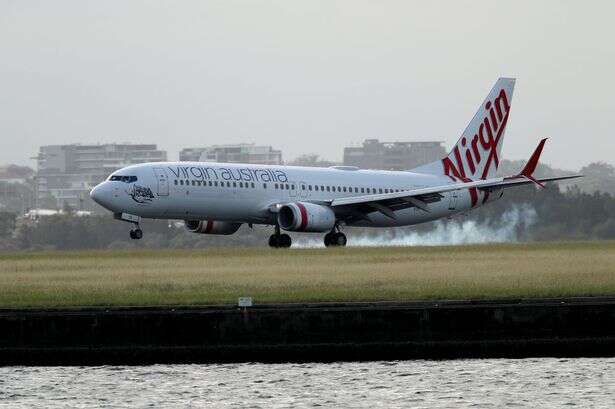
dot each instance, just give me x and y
(531, 164)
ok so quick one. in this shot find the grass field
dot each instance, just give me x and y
(215, 276)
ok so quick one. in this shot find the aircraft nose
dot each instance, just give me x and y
(101, 194)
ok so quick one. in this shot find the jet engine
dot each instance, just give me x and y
(303, 216)
(211, 227)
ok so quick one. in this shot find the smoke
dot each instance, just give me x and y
(510, 227)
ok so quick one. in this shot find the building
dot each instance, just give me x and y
(16, 188)
(240, 153)
(66, 173)
(393, 155)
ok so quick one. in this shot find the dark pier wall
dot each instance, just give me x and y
(309, 332)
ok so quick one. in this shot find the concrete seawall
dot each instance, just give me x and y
(309, 332)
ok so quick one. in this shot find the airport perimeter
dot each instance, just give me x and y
(162, 306)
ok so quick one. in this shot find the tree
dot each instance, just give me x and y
(7, 224)
(599, 176)
(312, 160)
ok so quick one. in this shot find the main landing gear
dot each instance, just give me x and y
(335, 238)
(278, 240)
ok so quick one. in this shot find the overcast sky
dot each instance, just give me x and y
(304, 76)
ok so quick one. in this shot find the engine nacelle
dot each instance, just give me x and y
(211, 227)
(302, 216)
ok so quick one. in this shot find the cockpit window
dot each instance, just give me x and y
(125, 179)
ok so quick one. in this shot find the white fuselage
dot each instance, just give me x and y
(245, 193)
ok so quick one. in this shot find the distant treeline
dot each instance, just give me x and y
(568, 215)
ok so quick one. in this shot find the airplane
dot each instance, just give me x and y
(217, 198)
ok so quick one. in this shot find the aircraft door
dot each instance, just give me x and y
(302, 189)
(163, 181)
(292, 190)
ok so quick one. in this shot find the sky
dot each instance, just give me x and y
(304, 76)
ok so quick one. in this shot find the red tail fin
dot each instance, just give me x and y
(531, 164)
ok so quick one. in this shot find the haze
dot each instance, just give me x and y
(310, 76)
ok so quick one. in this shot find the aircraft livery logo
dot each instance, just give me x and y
(226, 174)
(141, 194)
(480, 153)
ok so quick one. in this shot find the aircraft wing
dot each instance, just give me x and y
(387, 203)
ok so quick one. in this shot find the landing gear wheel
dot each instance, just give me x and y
(274, 240)
(280, 241)
(339, 239)
(335, 239)
(136, 234)
(285, 241)
(328, 239)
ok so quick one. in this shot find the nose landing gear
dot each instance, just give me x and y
(136, 234)
(278, 240)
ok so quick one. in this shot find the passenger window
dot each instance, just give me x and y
(362, 190)
(344, 188)
(275, 186)
(328, 189)
(264, 186)
(287, 187)
(240, 184)
(252, 185)
(303, 187)
(234, 184)
(322, 188)
(176, 181)
(380, 190)
(293, 187)
(228, 184)
(216, 183)
(210, 183)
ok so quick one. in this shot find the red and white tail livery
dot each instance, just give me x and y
(476, 155)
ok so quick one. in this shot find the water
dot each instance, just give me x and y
(496, 383)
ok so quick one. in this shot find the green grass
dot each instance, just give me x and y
(213, 276)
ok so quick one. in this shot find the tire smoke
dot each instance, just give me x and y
(513, 225)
